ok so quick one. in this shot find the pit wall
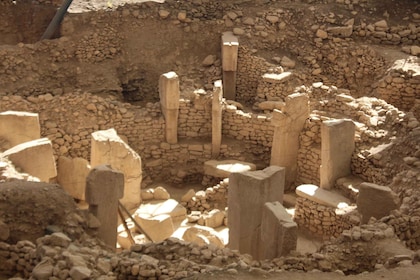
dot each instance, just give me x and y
(400, 87)
(144, 130)
(322, 220)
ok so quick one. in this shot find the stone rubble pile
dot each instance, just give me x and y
(211, 198)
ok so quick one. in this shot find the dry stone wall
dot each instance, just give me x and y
(323, 220)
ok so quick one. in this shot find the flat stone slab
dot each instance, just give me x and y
(155, 208)
(223, 168)
(276, 78)
(322, 196)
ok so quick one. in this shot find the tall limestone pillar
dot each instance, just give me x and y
(287, 126)
(230, 46)
(216, 119)
(337, 146)
(169, 101)
(104, 187)
(248, 192)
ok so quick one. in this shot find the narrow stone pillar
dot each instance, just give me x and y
(169, 101)
(230, 46)
(104, 187)
(337, 146)
(278, 232)
(216, 119)
(287, 126)
(248, 192)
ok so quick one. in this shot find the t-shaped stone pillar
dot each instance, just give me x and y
(248, 192)
(287, 126)
(230, 46)
(337, 146)
(104, 187)
(169, 101)
(216, 119)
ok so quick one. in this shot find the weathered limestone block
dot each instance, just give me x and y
(169, 207)
(214, 218)
(375, 201)
(169, 101)
(158, 228)
(248, 192)
(337, 146)
(35, 157)
(223, 168)
(277, 78)
(18, 127)
(230, 46)
(72, 175)
(216, 119)
(109, 148)
(322, 196)
(202, 235)
(287, 126)
(104, 187)
(278, 231)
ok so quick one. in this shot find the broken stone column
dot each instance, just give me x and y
(278, 232)
(104, 187)
(109, 148)
(248, 192)
(169, 101)
(230, 46)
(72, 173)
(337, 146)
(216, 119)
(35, 158)
(18, 127)
(375, 201)
(287, 126)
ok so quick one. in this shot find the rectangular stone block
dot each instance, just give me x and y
(248, 192)
(337, 146)
(229, 85)
(72, 175)
(230, 46)
(18, 127)
(278, 232)
(35, 158)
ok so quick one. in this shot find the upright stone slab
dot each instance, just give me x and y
(337, 146)
(35, 158)
(104, 187)
(72, 173)
(230, 46)
(108, 148)
(287, 126)
(248, 192)
(278, 232)
(169, 101)
(216, 119)
(375, 201)
(18, 127)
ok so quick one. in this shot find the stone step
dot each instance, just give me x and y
(322, 196)
(349, 185)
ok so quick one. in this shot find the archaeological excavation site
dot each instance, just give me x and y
(204, 139)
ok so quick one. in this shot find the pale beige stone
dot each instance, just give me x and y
(72, 173)
(158, 228)
(18, 127)
(223, 168)
(108, 148)
(35, 158)
(322, 196)
(202, 236)
(169, 100)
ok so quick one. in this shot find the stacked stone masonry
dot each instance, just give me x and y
(323, 220)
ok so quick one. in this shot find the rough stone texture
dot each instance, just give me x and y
(35, 157)
(278, 231)
(337, 147)
(288, 125)
(109, 148)
(104, 188)
(157, 227)
(203, 235)
(248, 191)
(72, 175)
(230, 46)
(18, 127)
(322, 196)
(375, 201)
(169, 100)
(216, 119)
